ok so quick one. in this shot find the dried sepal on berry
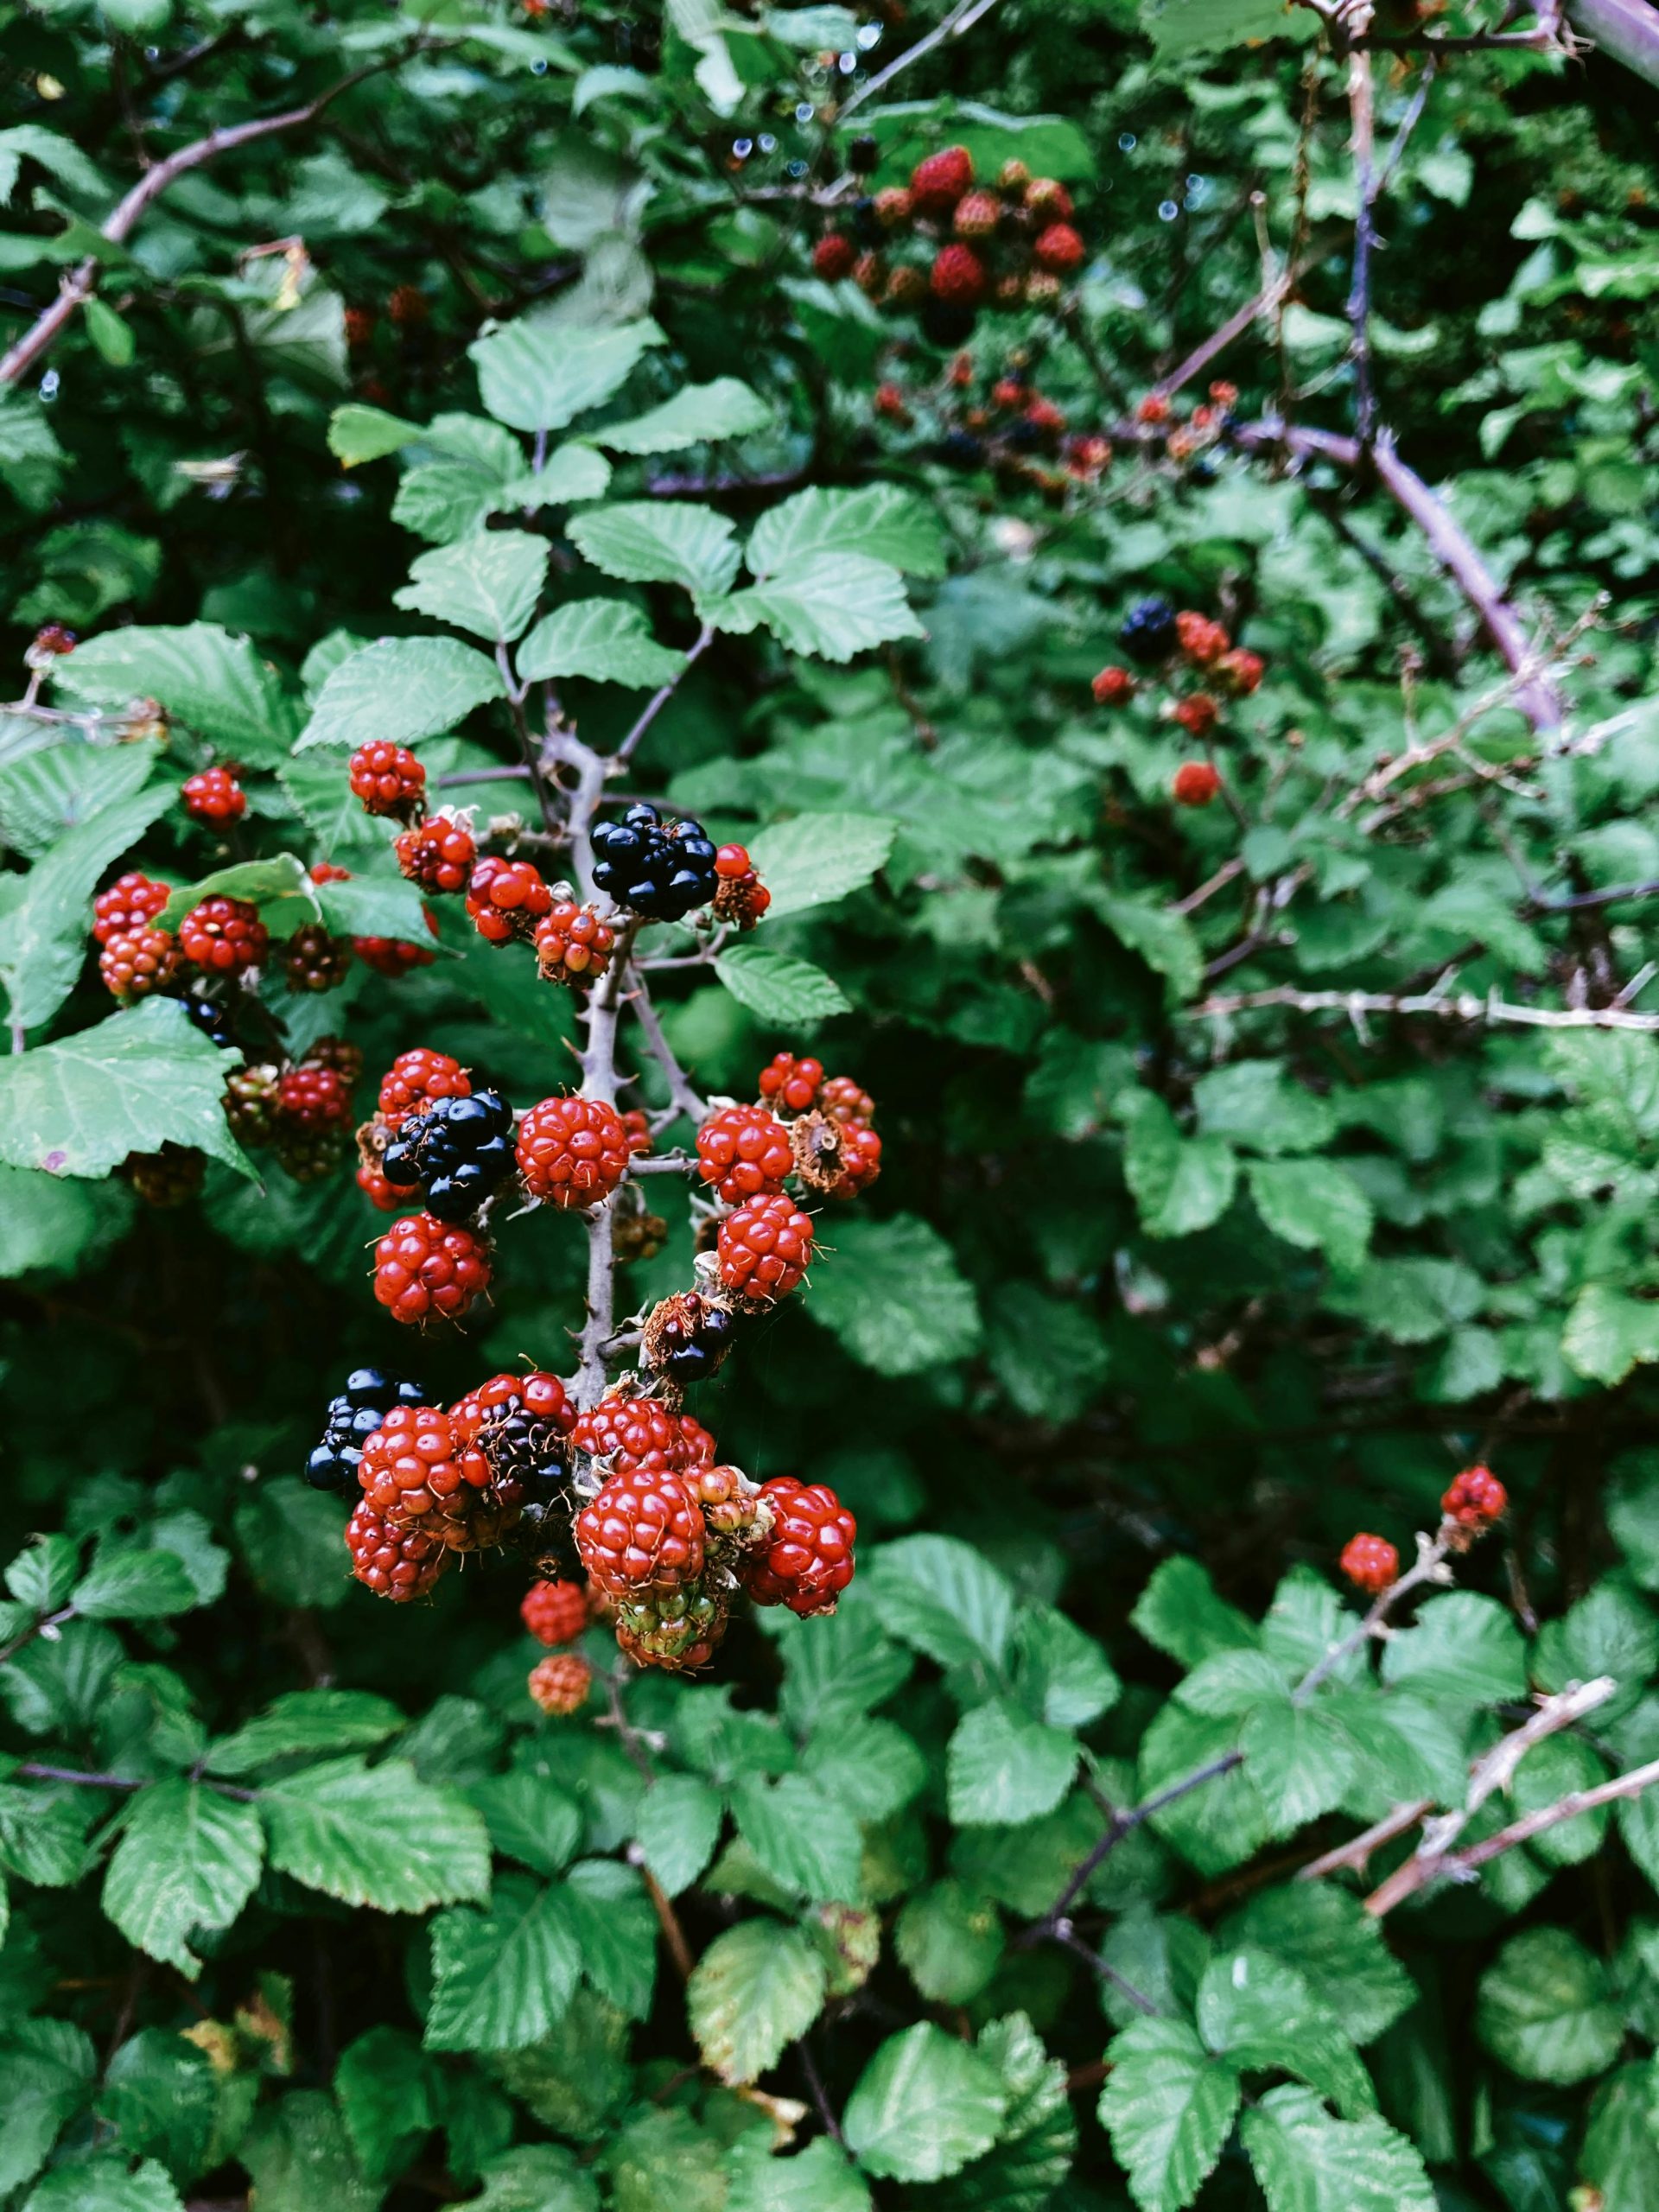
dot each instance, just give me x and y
(686, 1337)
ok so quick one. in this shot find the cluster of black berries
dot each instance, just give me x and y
(1148, 633)
(368, 1397)
(659, 870)
(211, 1017)
(458, 1150)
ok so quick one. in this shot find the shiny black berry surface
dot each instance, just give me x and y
(1148, 631)
(457, 1151)
(659, 869)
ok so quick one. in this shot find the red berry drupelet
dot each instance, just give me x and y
(415, 1078)
(833, 257)
(573, 1152)
(1238, 673)
(861, 1158)
(506, 899)
(1475, 1500)
(388, 780)
(1370, 1563)
(315, 1099)
(429, 1270)
(391, 955)
(215, 798)
(627, 1435)
(555, 1612)
(807, 1561)
(437, 854)
(396, 1563)
(741, 897)
(572, 945)
(1195, 784)
(560, 1684)
(744, 1152)
(845, 1101)
(131, 902)
(636, 1124)
(937, 183)
(1198, 714)
(765, 1247)
(1060, 249)
(643, 1531)
(791, 1085)
(224, 936)
(1203, 641)
(139, 961)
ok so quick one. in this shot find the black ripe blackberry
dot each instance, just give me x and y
(1148, 631)
(863, 156)
(961, 449)
(458, 1151)
(658, 870)
(867, 224)
(693, 1341)
(944, 322)
(211, 1017)
(368, 1397)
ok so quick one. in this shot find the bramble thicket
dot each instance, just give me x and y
(828, 1164)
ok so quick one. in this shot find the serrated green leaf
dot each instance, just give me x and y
(781, 989)
(1315, 1205)
(1326, 1934)
(401, 690)
(502, 1977)
(642, 542)
(160, 2095)
(924, 2106)
(1545, 2009)
(882, 522)
(830, 604)
(539, 376)
(753, 1990)
(106, 2182)
(1164, 940)
(375, 906)
(607, 640)
(1180, 1612)
(530, 1818)
(281, 888)
(700, 414)
(303, 1721)
(1260, 2014)
(949, 1941)
(890, 1290)
(818, 858)
(616, 1926)
(807, 1842)
(46, 2070)
(1180, 1185)
(43, 932)
(1461, 1646)
(188, 1860)
(300, 2158)
(870, 1766)
(945, 1597)
(817, 2179)
(382, 2087)
(357, 434)
(1301, 1762)
(537, 2178)
(488, 583)
(677, 1827)
(376, 1835)
(201, 674)
(1168, 2105)
(1306, 2161)
(134, 1584)
(1003, 1767)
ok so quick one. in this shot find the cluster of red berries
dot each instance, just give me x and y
(1475, 1502)
(215, 798)
(978, 415)
(301, 1110)
(1205, 427)
(220, 937)
(945, 246)
(1190, 650)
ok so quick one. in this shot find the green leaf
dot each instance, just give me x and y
(677, 1828)
(401, 690)
(1032, 2154)
(43, 931)
(752, 1993)
(188, 1860)
(1168, 2106)
(607, 640)
(1063, 1672)
(105, 2183)
(300, 2158)
(201, 674)
(280, 887)
(882, 522)
(815, 859)
(132, 1082)
(949, 1941)
(1462, 1647)
(945, 1597)
(1219, 1822)
(1545, 2009)
(832, 605)
(870, 1766)
(377, 1835)
(817, 2179)
(836, 1668)
(782, 990)
(160, 2095)
(649, 542)
(1260, 2014)
(1619, 2143)
(924, 2106)
(368, 905)
(134, 1584)
(1326, 1934)
(1163, 939)
(46, 2069)
(1302, 1762)
(44, 1572)
(890, 1290)
(48, 792)
(1315, 1205)
(385, 2098)
(1180, 1185)
(289, 1537)
(700, 414)
(488, 583)
(502, 1977)
(1003, 1767)
(1255, 1105)
(537, 2178)
(357, 434)
(537, 375)
(808, 1843)
(1048, 1353)
(1306, 2161)
(1608, 1333)
(530, 1818)
(305, 1721)
(617, 1928)
(1180, 1612)
(42, 1835)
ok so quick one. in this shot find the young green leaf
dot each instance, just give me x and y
(753, 1992)
(188, 1860)
(501, 1977)
(924, 2106)
(1168, 2105)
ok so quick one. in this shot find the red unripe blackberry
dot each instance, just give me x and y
(636, 1125)
(131, 901)
(539, 1395)
(696, 1445)
(1112, 686)
(765, 1247)
(977, 215)
(338, 1053)
(560, 1684)
(1202, 640)
(906, 288)
(1197, 714)
(415, 1470)
(1370, 1563)
(572, 945)
(415, 1078)
(396, 1563)
(391, 955)
(1153, 409)
(555, 1612)
(375, 1187)
(1195, 784)
(676, 1629)
(1045, 417)
(889, 402)
(166, 1179)
(437, 854)
(506, 899)
(224, 936)
(1088, 457)
(861, 1157)
(937, 183)
(958, 277)
(833, 257)
(328, 872)
(313, 961)
(359, 327)
(51, 642)
(894, 207)
(572, 1152)
(138, 961)
(429, 1270)
(807, 1561)
(790, 1084)
(744, 1152)
(1047, 197)
(870, 275)
(844, 1101)
(642, 1531)
(214, 797)
(388, 780)
(1476, 1499)
(632, 1434)
(1238, 673)
(740, 898)
(1225, 395)
(1060, 249)
(314, 1098)
(1009, 391)
(408, 306)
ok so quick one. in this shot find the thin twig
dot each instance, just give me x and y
(1447, 1006)
(961, 18)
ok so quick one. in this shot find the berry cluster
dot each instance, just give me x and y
(1194, 663)
(215, 798)
(1474, 1502)
(1187, 439)
(300, 1109)
(661, 870)
(977, 416)
(945, 245)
